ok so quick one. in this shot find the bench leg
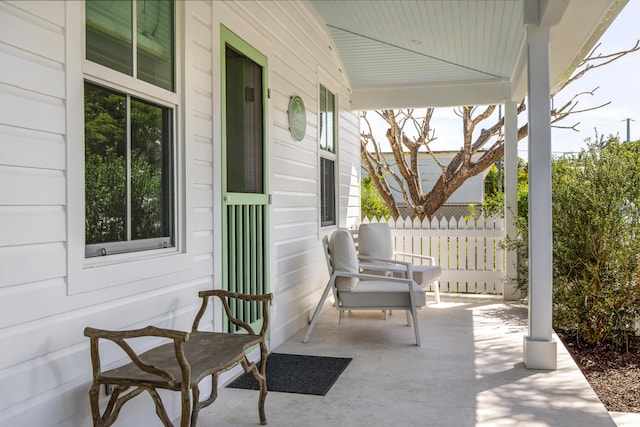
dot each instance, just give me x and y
(195, 405)
(118, 398)
(94, 394)
(259, 371)
(161, 412)
(263, 382)
(195, 397)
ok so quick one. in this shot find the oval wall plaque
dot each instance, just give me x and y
(297, 118)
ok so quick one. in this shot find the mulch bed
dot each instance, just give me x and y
(613, 374)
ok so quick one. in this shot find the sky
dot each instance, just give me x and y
(618, 82)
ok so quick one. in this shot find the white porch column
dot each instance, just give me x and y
(510, 291)
(539, 347)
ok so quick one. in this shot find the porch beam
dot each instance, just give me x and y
(540, 350)
(432, 95)
(511, 292)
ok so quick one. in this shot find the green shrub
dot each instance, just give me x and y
(596, 242)
(372, 204)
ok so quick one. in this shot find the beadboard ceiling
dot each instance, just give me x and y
(472, 47)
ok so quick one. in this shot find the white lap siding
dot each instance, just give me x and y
(44, 359)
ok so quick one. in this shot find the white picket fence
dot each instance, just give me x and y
(468, 250)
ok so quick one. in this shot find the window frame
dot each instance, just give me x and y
(91, 274)
(138, 245)
(135, 88)
(325, 154)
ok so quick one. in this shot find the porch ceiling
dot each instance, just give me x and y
(412, 53)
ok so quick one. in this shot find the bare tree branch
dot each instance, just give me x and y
(588, 61)
(478, 152)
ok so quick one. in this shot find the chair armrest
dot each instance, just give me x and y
(410, 255)
(119, 337)
(386, 265)
(384, 260)
(149, 331)
(225, 297)
(400, 280)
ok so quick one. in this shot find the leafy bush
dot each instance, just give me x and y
(596, 242)
(372, 204)
(493, 204)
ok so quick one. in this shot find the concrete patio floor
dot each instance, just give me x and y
(468, 372)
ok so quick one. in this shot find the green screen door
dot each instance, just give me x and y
(245, 201)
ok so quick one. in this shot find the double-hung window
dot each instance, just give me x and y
(130, 110)
(327, 158)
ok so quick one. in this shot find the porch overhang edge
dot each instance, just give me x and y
(431, 95)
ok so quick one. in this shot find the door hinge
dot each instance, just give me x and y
(268, 93)
(270, 199)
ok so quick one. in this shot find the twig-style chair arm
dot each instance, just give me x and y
(224, 297)
(119, 337)
(152, 331)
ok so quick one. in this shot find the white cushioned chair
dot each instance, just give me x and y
(353, 290)
(374, 243)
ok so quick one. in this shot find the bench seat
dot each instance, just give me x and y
(207, 353)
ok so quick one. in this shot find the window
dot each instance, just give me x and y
(129, 132)
(327, 158)
(146, 53)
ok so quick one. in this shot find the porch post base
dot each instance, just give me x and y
(540, 354)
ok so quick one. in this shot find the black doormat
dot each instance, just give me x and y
(296, 373)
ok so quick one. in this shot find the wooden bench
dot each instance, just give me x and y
(181, 364)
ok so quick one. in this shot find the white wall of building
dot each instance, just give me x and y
(47, 293)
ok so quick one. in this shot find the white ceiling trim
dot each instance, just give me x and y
(431, 95)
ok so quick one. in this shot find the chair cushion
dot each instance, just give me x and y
(344, 258)
(375, 240)
(381, 294)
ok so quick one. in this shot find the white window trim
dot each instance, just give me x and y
(325, 79)
(85, 275)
